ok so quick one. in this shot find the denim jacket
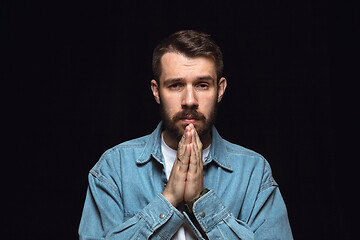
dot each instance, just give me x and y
(124, 199)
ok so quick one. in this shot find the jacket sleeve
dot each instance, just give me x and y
(103, 215)
(268, 219)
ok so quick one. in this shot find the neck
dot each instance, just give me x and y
(173, 141)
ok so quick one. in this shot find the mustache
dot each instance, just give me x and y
(189, 113)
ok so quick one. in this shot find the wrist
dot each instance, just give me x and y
(171, 199)
(189, 205)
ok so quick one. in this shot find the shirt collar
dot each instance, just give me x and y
(218, 152)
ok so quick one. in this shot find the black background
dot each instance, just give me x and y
(80, 73)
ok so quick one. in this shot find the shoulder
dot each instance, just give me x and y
(131, 144)
(244, 158)
(240, 155)
(112, 157)
(240, 152)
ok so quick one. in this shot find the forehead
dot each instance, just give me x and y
(175, 65)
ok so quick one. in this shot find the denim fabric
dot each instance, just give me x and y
(124, 199)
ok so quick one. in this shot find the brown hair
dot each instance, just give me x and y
(191, 44)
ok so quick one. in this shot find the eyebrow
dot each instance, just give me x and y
(206, 77)
(172, 80)
(200, 78)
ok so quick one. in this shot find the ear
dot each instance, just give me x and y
(221, 88)
(155, 90)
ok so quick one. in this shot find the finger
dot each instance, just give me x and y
(184, 160)
(181, 145)
(183, 154)
(192, 163)
(198, 140)
(197, 148)
(188, 134)
(194, 133)
(186, 157)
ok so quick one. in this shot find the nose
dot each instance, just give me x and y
(189, 99)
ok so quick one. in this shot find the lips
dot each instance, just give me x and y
(188, 116)
(189, 120)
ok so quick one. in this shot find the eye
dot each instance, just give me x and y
(203, 86)
(175, 86)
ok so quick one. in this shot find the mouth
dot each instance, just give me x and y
(189, 119)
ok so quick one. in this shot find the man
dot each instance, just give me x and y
(184, 181)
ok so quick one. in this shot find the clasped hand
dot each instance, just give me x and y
(186, 177)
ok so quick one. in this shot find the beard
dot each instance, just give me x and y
(203, 125)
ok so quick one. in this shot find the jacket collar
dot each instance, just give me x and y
(218, 152)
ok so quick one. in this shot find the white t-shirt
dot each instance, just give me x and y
(184, 232)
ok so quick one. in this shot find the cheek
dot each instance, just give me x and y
(171, 105)
(207, 105)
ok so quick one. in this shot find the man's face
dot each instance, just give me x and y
(188, 93)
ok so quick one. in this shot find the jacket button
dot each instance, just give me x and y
(202, 214)
(162, 215)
